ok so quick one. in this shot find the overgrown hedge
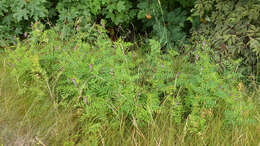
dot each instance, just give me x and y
(165, 20)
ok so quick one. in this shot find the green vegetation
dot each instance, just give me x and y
(161, 20)
(233, 30)
(128, 73)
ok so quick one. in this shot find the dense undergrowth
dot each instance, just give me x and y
(90, 90)
(144, 72)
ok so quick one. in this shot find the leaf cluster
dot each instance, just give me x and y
(233, 29)
(163, 20)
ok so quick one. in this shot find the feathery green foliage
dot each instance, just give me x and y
(106, 83)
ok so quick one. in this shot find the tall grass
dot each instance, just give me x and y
(28, 120)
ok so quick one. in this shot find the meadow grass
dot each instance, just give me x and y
(23, 116)
(27, 120)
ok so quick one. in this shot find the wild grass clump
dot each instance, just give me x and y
(29, 117)
(92, 91)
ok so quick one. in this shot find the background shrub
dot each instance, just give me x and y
(233, 30)
(16, 18)
(165, 21)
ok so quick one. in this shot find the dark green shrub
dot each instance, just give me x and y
(233, 29)
(165, 21)
(16, 17)
(168, 27)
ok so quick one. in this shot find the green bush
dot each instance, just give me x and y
(233, 29)
(163, 20)
(106, 83)
(16, 17)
